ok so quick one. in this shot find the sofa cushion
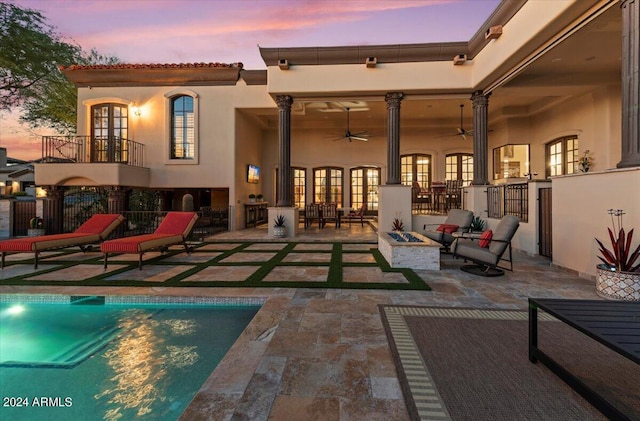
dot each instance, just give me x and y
(485, 239)
(448, 228)
(467, 248)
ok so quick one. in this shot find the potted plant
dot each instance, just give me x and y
(618, 276)
(36, 227)
(279, 228)
(260, 198)
(397, 224)
(252, 198)
(584, 163)
(478, 224)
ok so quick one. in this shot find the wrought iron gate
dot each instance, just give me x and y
(544, 234)
(23, 211)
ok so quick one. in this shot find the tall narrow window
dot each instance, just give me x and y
(182, 128)
(299, 186)
(364, 187)
(416, 167)
(109, 129)
(562, 156)
(327, 185)
(459, 166)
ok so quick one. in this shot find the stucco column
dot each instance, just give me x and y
(393, 100)
(285, 182)
(53, 210)
(480, 139)
(630, 83)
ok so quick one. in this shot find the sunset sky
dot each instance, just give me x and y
(188, 31)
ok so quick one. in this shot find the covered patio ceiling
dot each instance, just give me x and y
(587, 60)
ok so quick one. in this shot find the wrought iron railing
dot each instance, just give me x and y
(508, 199)
(92, 149)
(210, 221)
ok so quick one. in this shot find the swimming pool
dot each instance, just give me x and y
(111, 358)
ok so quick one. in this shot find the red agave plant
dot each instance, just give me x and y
(621, 258)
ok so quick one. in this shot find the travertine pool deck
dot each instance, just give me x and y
(322, 353)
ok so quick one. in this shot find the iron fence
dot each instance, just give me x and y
(23, 211)
(96, 149)
(210, 221)
(508, 199)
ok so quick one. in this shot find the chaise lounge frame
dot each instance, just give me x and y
(95, 229)
(174, 229)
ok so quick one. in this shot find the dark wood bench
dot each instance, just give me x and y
(615, 324)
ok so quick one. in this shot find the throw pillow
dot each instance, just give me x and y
(448, 228)
(485, 239)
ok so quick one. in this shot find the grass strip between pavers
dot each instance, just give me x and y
(334, 277)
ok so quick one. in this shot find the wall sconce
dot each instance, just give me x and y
(459, 59)
(137, 111)
(40, 192)
(283, 64)
(371, 62)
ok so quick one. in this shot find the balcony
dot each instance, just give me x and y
(91, 161)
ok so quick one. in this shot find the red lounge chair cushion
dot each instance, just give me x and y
(44, 242)
(140, 243)
(100, 224)
(447, 228)
(177, 223)
(485, 239)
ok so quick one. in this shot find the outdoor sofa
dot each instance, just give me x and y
(174, 229)
(96, 229)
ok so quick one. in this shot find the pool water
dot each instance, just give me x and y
(110, 362)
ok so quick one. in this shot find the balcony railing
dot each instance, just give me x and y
(87, 149)
(508, 199)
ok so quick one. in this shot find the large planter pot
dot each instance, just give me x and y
(279, 232)
(616, 285)
(35, 232)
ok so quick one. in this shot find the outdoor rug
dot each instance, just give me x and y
(220, 264)
(465, 364)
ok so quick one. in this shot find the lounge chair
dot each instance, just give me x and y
(96, 229)
(487, 251)
(174, 229)
(458, 220)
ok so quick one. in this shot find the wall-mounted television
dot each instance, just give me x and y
(253, 174)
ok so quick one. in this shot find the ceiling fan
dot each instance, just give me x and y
(362, 136)
(460, 131)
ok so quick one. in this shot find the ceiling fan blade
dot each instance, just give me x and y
(363, 139)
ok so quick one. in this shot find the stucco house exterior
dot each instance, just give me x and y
(539, 85)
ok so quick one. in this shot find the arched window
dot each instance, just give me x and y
(459, 166)
(109, 131)
(183, 135)
(299, 186)
(327, 185)
(416, 167)
(562, 156)
(364, 187)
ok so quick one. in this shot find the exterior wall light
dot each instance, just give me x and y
(283, 64)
